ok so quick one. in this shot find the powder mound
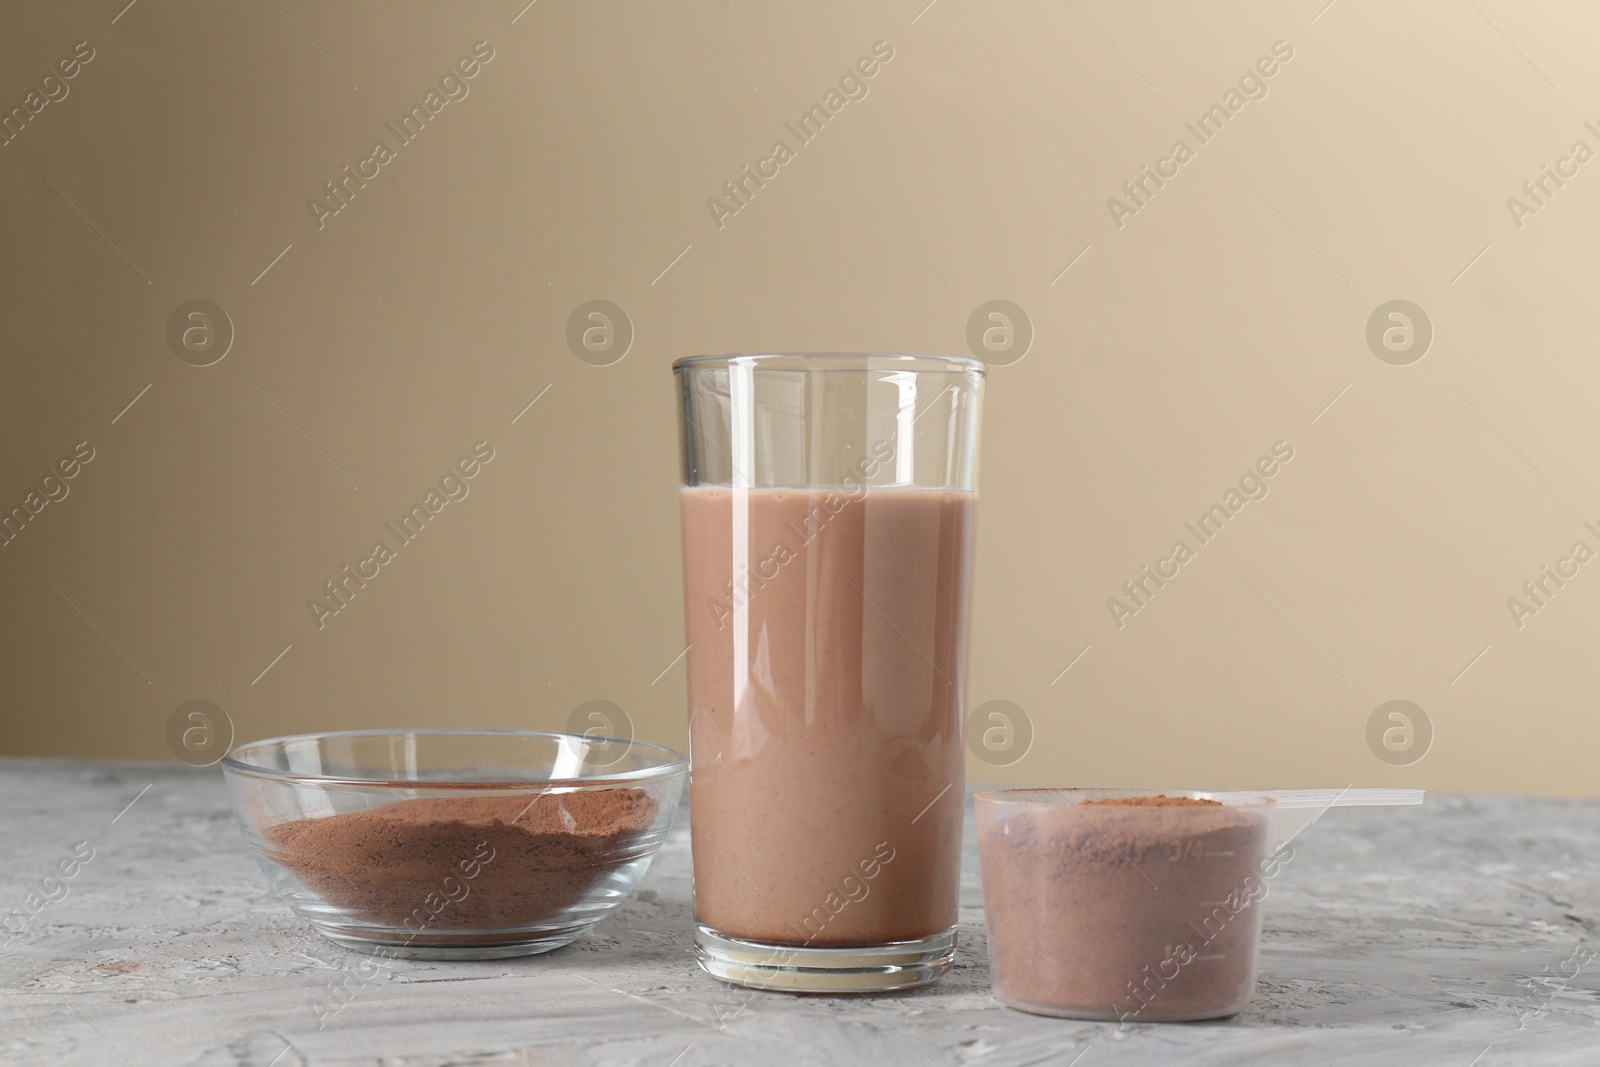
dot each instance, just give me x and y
(467, 862)
(1093, 831)
(1160, 800)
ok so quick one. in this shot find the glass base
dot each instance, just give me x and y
(837, 969)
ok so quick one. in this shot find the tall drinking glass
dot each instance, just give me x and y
(827, 505)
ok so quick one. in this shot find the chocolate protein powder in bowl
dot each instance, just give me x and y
(1126, 905)
(444, 868)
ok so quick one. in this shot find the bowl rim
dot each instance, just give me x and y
(675, 762)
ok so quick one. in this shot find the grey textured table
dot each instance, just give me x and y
(1416, 936)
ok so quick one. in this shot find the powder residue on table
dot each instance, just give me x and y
(548, 852)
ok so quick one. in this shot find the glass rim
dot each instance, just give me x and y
(916, 363)
(672, 761)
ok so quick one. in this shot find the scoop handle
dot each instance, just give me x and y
(1340, 798)
(1296, 809)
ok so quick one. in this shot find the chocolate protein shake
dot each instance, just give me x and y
(827, 662)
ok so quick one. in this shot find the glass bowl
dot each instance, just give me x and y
(453, 844)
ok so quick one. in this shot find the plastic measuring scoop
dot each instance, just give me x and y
(1297, 809)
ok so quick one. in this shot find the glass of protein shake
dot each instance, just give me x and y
(828, 504)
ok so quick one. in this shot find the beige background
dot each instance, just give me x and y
(1223, 317)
